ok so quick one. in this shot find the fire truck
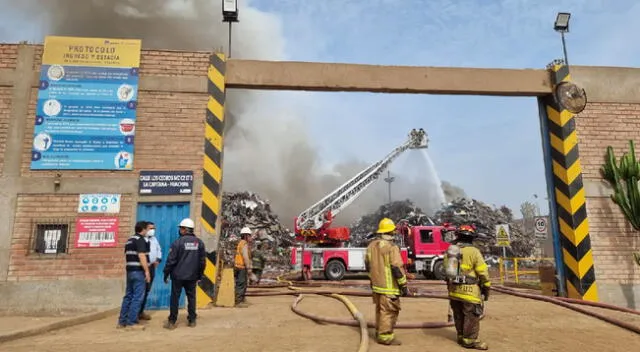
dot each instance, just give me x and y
(323, 248)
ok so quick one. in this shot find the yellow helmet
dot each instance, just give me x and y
(386, 225)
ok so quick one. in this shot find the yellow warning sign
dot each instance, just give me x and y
(503, 237)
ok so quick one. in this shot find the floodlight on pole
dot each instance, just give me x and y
(568, 95)
(562, 25)
(230, 15)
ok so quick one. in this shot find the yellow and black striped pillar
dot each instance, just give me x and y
(570, 201)
(212, 173)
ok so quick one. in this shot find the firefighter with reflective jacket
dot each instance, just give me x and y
(388, 280)
(468, 284)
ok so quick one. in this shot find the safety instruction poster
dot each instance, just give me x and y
(96, 232)
(86, 108)
(99, 203)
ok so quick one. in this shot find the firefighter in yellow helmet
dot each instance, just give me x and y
(388, 280)
(468, 284)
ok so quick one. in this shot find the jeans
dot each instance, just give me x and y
(152, 274)
(132, 299)
(190, 291)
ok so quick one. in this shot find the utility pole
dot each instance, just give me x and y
(389, 179)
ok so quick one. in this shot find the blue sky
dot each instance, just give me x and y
(490, 146)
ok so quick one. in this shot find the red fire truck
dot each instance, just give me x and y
(422, 249)
(323, 248)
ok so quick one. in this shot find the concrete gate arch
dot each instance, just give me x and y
(566, 191)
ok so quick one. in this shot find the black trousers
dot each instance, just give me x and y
(152, 274)
(240, 276)
(190, 291)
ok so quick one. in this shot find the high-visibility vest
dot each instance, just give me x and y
(239, 259)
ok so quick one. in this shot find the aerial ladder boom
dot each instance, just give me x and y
(313, 224)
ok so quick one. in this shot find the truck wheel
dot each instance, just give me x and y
(438, 270)
(335, 270)
(427, 274)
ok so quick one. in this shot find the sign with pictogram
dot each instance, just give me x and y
(541, 227)
(503, 236)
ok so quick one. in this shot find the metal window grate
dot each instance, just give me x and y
(50, 237)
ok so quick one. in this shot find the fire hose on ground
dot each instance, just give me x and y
(364, 335)
(358, 316)
(560, 301)
(359, 322)
(565, 303)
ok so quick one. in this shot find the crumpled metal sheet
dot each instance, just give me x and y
(485, 218)
(458, 212)
(240, 209)
(396, 211)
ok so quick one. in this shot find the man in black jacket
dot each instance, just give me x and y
(185, 265)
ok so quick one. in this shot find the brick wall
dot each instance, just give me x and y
(5, 111)
(79, 263)
(8, 55)
(174, 63)
(613, 240)
(169, 136)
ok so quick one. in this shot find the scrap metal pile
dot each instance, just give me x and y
(485, 218)
(240, 209)
(396, 211)
(458, 212)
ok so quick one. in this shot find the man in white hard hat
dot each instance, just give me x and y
(185, 265)
(242, 266)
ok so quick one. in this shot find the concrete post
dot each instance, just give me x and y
(22, 78)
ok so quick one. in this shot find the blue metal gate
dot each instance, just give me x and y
(166, 217)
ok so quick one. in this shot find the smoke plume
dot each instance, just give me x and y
(267, 149)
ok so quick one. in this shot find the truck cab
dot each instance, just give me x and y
(426, 247)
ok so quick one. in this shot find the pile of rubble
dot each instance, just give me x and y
(485, 218)
(396, 211)
(458, 212)
(240, 209)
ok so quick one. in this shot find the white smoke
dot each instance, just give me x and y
(268, 149)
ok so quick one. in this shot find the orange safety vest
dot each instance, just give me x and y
(239, 260)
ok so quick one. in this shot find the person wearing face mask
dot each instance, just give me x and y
(136, 253)
(155, 257)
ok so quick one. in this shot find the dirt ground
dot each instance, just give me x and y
(512, 324)
(10, 324)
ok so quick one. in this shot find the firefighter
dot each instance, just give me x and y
(467, 277)
(259, 258)
(388, 280)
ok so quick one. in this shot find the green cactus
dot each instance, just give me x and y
(623, 177)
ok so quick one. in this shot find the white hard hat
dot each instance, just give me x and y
(188, 223)
(245, 231)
